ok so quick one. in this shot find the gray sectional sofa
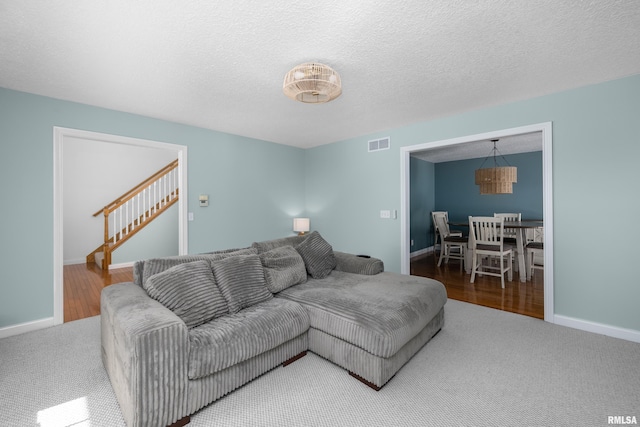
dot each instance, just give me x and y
(193, 328)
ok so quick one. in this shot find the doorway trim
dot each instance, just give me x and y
(547, 189)
(61, 134)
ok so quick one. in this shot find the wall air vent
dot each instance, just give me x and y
(379, 144)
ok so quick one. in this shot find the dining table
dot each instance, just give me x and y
(521, 241)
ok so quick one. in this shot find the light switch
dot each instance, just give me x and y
(190, 216)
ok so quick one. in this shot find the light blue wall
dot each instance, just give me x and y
(255, 188)
(596, 147)
(423, 202)
(347, 187)
(160, 238)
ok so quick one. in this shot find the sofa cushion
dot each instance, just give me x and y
(229, 340)
(379, 313)
(190, 291)
(283, 267)
(158, 265)
(267, 245)
(358, 264)
(317, 255)
(241, 280)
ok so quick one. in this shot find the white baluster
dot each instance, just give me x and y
(164, 191)
(136, 205)
(175, 182)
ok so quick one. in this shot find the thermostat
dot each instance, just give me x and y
(204, 200)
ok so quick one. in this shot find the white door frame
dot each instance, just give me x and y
(61, 134)
(547, 188)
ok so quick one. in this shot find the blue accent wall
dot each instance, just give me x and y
(450, 186)
(423, 202)
(457, 193)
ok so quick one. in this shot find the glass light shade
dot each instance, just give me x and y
(301, 225)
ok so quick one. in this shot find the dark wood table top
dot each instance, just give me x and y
(525, 223)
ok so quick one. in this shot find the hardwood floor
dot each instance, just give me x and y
(517, 297)
(82, 286)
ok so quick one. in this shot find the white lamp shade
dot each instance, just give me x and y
(301, 225)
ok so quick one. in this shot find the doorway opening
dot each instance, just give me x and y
(65, 136)
(545, 130)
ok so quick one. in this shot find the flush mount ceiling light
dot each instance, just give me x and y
(496, 180)
(312, 83)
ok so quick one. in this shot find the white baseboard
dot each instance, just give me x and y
(121, 265)
(83, 261)
(597, 328)
(421, 252)
(22, 328)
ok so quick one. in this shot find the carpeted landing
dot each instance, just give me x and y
(485, 368)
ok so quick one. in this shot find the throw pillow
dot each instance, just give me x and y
(318, 255)
(158, 265)
(241, 281)
(267, 245)
(190, 291)
(283, 267)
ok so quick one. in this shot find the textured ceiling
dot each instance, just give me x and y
(220, 65)
(513, 144)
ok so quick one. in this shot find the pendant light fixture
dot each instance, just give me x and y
(496, 180)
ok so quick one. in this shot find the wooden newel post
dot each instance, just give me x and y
(106, 225)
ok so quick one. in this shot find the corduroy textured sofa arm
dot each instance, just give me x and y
(144, 350)
(350, 263)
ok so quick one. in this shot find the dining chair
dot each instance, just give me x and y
(486, 241)
(534, 250)
(437, 232)
(453, 245)
(509, 233)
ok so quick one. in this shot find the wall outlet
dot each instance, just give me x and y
(385, 214)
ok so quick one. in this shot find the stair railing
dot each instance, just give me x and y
(136, 208)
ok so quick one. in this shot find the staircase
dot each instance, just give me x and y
(131, 212)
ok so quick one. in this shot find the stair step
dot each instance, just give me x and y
(99, 257)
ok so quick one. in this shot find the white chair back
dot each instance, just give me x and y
(435, 214)
(486, 238)
(486, 231)
(509, 232)
(442, 224)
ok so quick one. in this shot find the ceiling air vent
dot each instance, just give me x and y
(379, 144)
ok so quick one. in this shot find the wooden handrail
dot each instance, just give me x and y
(135, 190)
